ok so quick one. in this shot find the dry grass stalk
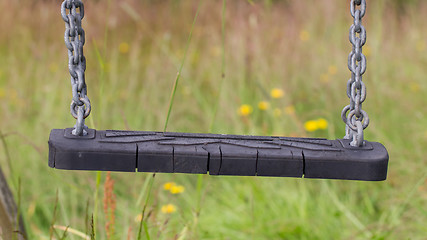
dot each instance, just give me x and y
(109, 205)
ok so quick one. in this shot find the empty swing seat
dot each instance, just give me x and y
(217, 154)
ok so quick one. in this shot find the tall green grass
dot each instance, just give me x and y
(257, 46)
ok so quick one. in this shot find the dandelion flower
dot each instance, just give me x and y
(263, 105)
(177, 189)
(277, 93)
(124, 48)
(245, 110)
(304, 36)
(322, 123)
(311, 126)
(332, 70)
(169, 208)
(290, 110)
(314, 125)
(168, 186)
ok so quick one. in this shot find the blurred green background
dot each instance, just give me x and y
(252, 67)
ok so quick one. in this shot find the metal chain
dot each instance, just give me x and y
(72, 12)
(355, 118)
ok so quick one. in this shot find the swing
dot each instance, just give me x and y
(350, 158)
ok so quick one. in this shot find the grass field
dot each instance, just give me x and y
(237, 54)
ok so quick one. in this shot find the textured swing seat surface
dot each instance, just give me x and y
(217, 154)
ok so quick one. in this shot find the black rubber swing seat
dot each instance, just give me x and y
(217, 154)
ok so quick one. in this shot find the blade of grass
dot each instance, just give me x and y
(87, 217)
(394, 218)
(72, 231)
(199, 193)
(18, 214)
(6, 153)
(142, 223)
(147, 234)
(200, 177)
(95, 210)
(62, 207)
(222, 65)
(26, 140)
(101, 62)
(52, 229)
(183, 234)
(101, 76)
(175, 85)
(350, 216)
(92, 229)
(64, 234)
(143, 190)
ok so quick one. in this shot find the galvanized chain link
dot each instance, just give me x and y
(72, 12)
(355, 118)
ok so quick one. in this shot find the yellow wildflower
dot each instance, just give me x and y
(290, 110)
(277, 112)
(304, 36)
(332, 70)
(169, 208)
(311, 126)
(421, 46)
(277, 93)
(124, 48)
(245, 110)
(177, 189)
(322, 123)
(263, 105)
(168, 186)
